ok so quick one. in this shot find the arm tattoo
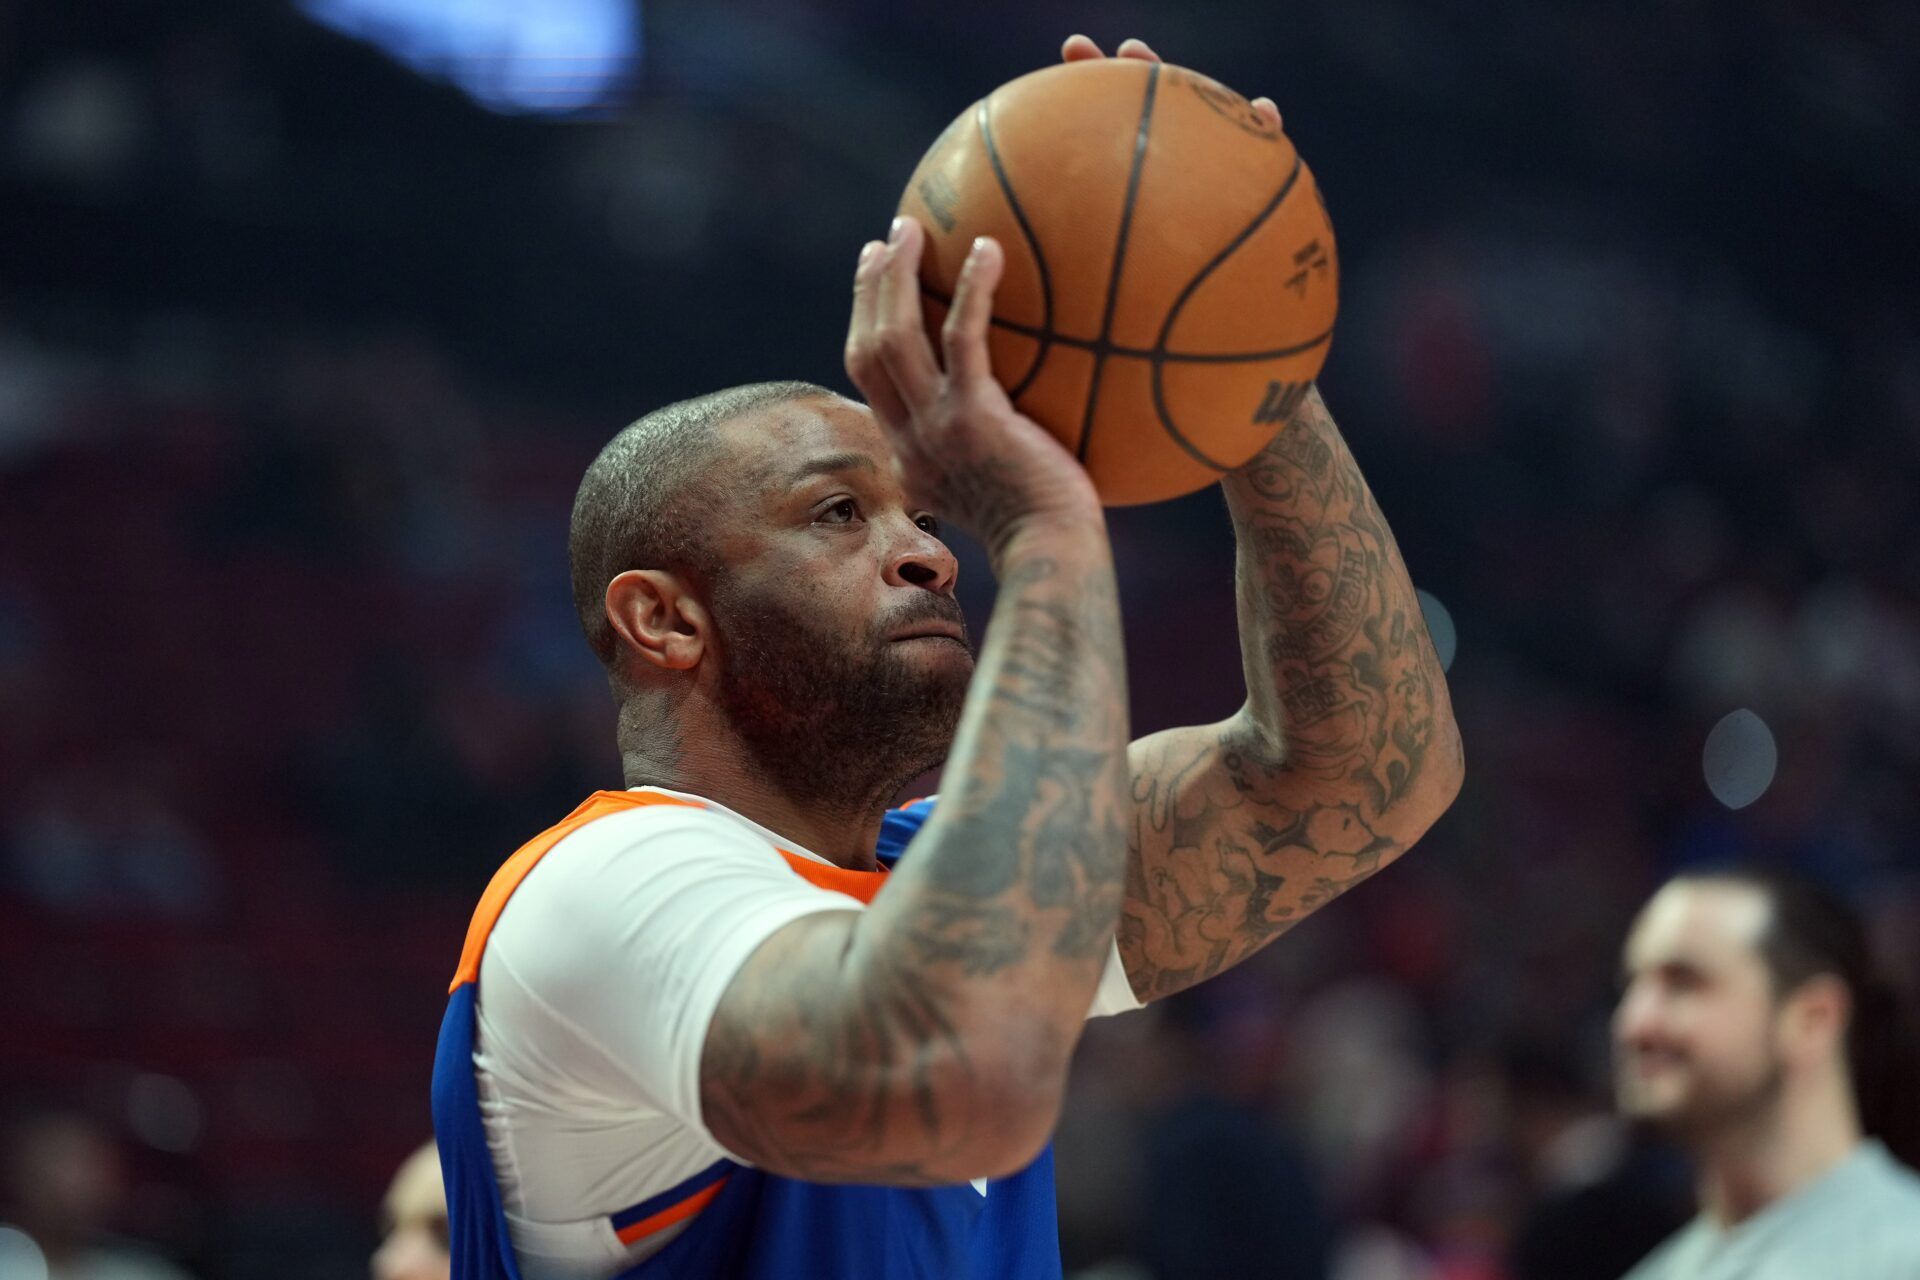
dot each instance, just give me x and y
(851, 1051)
(1345, 752)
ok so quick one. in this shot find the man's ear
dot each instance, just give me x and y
(1817, 1015)
(657, 617)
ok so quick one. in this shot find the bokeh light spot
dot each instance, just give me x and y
(20, 1257)
(554, 57)
(1739, 759)
(164, 1112)
(1440, 627)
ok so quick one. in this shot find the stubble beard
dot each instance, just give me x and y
(836, 726)
(1717, 1107)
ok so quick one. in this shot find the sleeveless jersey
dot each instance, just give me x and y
(742, 1223)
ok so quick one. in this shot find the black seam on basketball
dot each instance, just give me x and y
(1119, 256)
(1239, 357)
(1094, 347)
(1186, 294)
(983, 117)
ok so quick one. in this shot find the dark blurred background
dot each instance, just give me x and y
(311, 315)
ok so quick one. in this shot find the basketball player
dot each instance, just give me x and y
(699, 1028)
(1753, 1030)
(413, 1222)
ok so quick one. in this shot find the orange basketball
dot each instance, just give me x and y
(1171, 280)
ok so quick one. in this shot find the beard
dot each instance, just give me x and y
(837, 723)
(1715, 1103)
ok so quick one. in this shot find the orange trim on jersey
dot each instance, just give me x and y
(855, 884)
(515, 869)
(671, 1214)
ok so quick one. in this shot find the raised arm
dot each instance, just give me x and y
(1345, 752)
(926, 1040)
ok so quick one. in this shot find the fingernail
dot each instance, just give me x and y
(898, 229)
(979, 247)
(868, 250)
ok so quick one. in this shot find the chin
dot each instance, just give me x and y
(1657, 1106)
(939, 670)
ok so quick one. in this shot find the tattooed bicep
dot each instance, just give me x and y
(1230, 847)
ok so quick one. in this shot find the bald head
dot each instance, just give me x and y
(641, 503)
(413, 1244)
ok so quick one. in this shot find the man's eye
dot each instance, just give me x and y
(929, 524)
(845, 511)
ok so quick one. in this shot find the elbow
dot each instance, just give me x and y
(1013, 1094)
(1439, 784)
(1021, 1114)
(1431, 794)
(1453, 766)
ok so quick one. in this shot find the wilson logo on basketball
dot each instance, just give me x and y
(1281, 400)
(1229, 104)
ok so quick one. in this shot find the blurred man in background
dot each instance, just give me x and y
(1754, 1030)
(413, 1227)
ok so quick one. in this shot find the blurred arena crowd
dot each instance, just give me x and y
(301, 357)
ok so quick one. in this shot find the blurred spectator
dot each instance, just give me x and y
(64, 1188)
(1228, 1191)
(413, 1234)
(105, 843)
(1755, 1030)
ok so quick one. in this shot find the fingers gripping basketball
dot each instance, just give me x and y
(1170, 281)
(962, 346)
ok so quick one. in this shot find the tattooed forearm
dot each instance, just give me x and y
(850, 1082)
(1345, 752)
(927, 1038)
(1036, 788)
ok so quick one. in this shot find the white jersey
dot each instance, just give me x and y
(597, 986)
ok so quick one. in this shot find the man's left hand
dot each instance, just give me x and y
(1079, 48)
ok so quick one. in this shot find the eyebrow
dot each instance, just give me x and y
(828, 463)
(1679, 964)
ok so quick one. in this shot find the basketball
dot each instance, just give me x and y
(1171, 280)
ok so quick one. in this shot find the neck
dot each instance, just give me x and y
(720, 768)
(1756, 1163)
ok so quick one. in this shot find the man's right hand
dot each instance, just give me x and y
(927, 1039)
(963, 448)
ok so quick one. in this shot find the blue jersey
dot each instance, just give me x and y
(742, 1223)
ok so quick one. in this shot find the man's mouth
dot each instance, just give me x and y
(1643, 1063)
(933, 631)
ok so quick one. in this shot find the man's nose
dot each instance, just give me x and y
(919, 559)
(1636, 1016)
